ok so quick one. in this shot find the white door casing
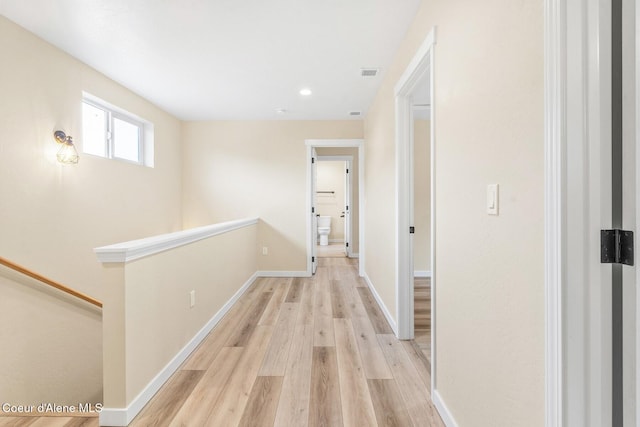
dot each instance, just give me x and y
(578, 202)
(311, 144)
(347, 208)
(420, 67)
(314, 210)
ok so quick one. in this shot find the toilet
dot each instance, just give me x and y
(324, 228)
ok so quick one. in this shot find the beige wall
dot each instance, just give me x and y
(238, 169)
(40, 325)
(488, 129)
(331, 177)
(422, 195)
(53, 215)
(159, 319)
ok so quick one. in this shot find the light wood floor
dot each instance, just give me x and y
(296, 352)
(332, 250)
(422, 315)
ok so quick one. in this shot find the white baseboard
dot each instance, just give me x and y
(422, 273)
(123, 416)
(336, 240)
(354, 255)
(278, 273)
(444, 412)
(385, 311)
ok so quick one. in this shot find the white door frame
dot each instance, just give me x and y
(420, 65)
(348, 160)
(336, 143)
(581, 392)
(576, 387)
(555, 86)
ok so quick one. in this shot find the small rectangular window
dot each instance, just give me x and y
(110, 132)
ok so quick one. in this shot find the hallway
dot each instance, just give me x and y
(304, 352)
(294, 352)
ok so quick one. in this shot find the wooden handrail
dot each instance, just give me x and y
(49, 282)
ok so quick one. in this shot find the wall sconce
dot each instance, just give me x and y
(67, 152)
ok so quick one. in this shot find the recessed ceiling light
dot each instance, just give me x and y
(305, 92)
(281, 111)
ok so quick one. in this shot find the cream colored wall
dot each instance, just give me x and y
(488, 129)
(238, 169)
(355, 190)
(422, 195)
(53, 215)
(40, 325)
(159, 320)
(331, 177)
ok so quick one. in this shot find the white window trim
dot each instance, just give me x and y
(145, 136)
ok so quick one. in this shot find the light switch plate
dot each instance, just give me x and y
(492, 199)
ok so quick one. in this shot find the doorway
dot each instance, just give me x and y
(333, 204)
(413, 94)
(344, 150)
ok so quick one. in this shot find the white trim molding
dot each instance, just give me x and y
(555, 87)
(421, 273)
(418, 68)
(383, 307)
(443, 410)
(335, 143)
(135, 249)
(123, 416)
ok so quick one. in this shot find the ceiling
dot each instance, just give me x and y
(230, 59)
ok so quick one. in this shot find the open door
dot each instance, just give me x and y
(314, 222)
(347, 208)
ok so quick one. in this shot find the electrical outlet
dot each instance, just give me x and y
(192, 294)
(265, 250)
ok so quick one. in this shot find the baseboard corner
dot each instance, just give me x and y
(443, 410)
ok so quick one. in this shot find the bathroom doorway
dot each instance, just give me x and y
(349, 153)
(333, 205)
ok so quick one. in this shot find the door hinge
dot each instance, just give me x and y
(616, 247)
(347, 170)
(412, 230)
(347, 244)
(313, 210)
(313, 259)
(313, 160)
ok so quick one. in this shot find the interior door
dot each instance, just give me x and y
(314, 222)
(347, 207)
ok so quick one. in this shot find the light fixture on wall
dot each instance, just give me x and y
(67, 152)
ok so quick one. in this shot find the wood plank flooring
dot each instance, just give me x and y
(422, 315)
(294, 352)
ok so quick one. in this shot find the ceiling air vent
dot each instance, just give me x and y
(354, 113)
(369, 72)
